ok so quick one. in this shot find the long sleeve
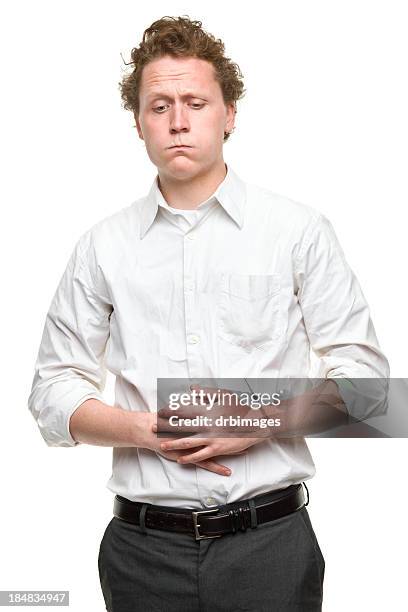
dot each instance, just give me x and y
(70, 365)
(338, 322)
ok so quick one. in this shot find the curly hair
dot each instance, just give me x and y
(181, 37)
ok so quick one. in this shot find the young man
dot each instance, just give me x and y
(207, 276)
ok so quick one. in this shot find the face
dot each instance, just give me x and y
(181, 103)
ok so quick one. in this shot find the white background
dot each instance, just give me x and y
(324, 122)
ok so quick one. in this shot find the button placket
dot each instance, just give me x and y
(191, 322)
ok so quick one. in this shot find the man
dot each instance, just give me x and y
(207, 276)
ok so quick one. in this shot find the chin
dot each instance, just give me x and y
(181, 168)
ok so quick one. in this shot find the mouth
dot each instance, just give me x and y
(180, 147)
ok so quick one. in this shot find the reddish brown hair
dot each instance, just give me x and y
(181, 37)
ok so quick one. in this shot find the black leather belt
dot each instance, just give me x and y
(213, 523)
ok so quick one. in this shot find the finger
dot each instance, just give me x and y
(185, 410)
(167, 412)
(200, 455)
(189, 411)
(164, 412)
(217, 391)
(213, 466)
(205, 390)
(163, 426)
(183, 443)
(195, 387)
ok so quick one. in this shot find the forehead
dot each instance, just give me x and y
(182, 73)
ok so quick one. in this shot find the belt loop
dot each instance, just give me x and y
(254, 518)
(142, 515)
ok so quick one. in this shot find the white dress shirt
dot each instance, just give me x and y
(244, 286)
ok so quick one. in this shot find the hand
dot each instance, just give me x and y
(147, 422)
(201, 449)
(212, 417)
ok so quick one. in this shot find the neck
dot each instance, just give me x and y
(189, 194)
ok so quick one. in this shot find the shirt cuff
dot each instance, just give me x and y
(54, 422)
(347, 393)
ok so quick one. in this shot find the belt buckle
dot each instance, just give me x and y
(198, 535)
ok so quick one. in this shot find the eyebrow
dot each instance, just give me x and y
(161, 95)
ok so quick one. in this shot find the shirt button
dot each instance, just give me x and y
(210, 501)
(191, 236)
(193, 339)
(188, 285)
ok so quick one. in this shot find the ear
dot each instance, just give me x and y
(230, 117)
(138, 126)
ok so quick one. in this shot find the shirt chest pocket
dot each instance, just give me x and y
(249, 309)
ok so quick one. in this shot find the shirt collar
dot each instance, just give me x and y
(174, 211)
(231, 194)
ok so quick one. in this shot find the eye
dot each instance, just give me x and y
(162, 107)
(157, 109)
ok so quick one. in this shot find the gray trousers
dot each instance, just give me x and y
(276, 567)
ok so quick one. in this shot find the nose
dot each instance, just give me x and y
(179, 119)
